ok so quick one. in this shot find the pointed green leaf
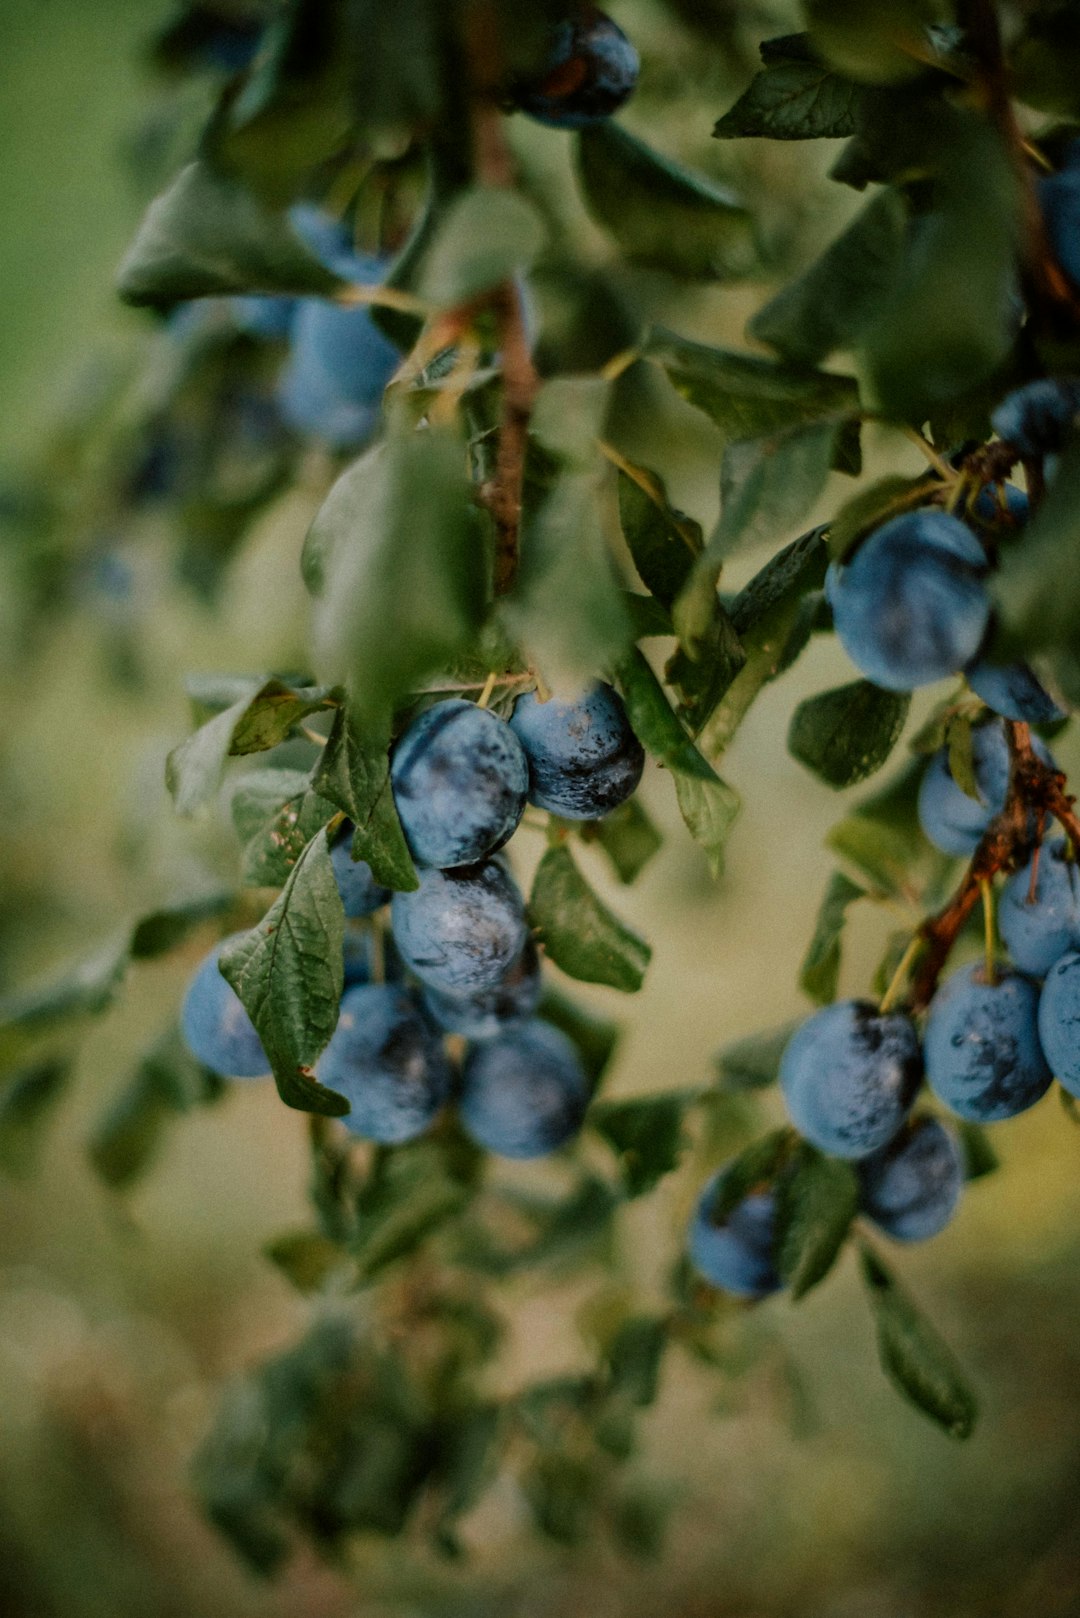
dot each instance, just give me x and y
(868, 509)
(768, 485)
(793, 100)
(882, 837)
(276, 813)
(914, 1357)
(56, 1008)
(487, 236)
(627, 836)
(646, 1135)
(577, 930)
(820, 970)
(816, 1200)
(354, 774)
(754, 1062)
(980, 1158)
(845, 735)
(288, 973)
(753, 1170)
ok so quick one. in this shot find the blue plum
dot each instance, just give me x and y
(737, 1254)
(911, 606)
(584, 759)
(911, 1189)
(951, 820)
(459, 779)
(1014, 691)
(1036, 418)
(361, 895)
(1039, 927)
(1059, 1020)
(983, 1057)
(1059, 199)
(385, 1059)
(461, 931)
(216, 1028)
(988, 504)
(523, 1094)
(590, 70)
(849, 1075)
(270, 318)
(513, 1000)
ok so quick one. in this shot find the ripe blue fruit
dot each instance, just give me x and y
(983, 1057)
(988, 503)
(265, 317)
(736, 1254)
(216, 1028)
(513, 1000)
(1037, 417)
(911, 606)
(1039, 928)
(911, 1188)
(849, 1075)
(361, 895)
(460, 931)
(524, 1093)
(385, 1059)
(591, 69)
(584, 759)
(1059, 1020)
(1014, 691)
(459, 779)
(951, 820)
(1059, 198)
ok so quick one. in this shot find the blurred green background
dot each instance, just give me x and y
(799, 1483)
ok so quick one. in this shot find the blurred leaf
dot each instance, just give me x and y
(487, 236)
(208, 235)
(793, 100)
(914, 1357)
(768, 485)
(961, 746)
(27, 1100)
(661, 214)
(753, 1170)
(168, 1082)
(627, 836)
(354, 774)
(882, 838)
(595, 1037)
(754, 1062)
(410, 1193)
(831, 304)
(36, 1013)
(467, 1464)
(578, 932)
(276, 813)
(306, 1258)
(871, 42)
(816, 1200)
(980, 1158)
(288, 973)
(646, 1135)
(820, 970)
(274, 711)
(847, 734)
(163, 930)
(663, 542)
(1035, 589)
(634, 1359)
(565, 1232)
(261, 718)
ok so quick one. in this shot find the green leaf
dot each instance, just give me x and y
(167, 1083)
(663, 542)
(873, 43)
(751, 397)
(577, 930)
(961, 746)
(661, 214)
(816, 1200)
(754, 1062)
(208, 235)
(627, 836)
(27, 1100)
(276, 813)
(288, 973)
(980, 1158)
(567, 1231)
(56, 1008)
(793, 100)
(404, 586)
(487, 236)
(832, 303)
(882, 838)
(273, 713)
(843, 736)
(820, 970)
(595, 1037)
(307, 1258)
(634, 1359)
(412, 1192)
(163, 930)
(354, 775)
(646, 1136)
(914, 1357)
(753, 1170)
(768, 485)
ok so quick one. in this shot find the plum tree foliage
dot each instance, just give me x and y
(358, 270)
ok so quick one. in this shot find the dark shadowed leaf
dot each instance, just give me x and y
(793, 100)
(56, 1008)
(577, 930)
(646, 1136)
(662, 541)
(753, 1170)
(820, 970)
(168, 1082)
(486, 236)
(595, 1037)
(914, 1357)
(816, 1200)
(882, 837)
(627, 836)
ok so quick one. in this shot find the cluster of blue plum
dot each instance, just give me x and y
(459, 960)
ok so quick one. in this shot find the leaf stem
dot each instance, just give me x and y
(907, 961)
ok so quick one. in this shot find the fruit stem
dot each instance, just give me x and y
(987, 888)
(945, 472)
(486, 694)
(907, 960)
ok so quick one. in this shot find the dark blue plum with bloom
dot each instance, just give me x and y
(459, 779)
(1059, 1020)
(736, 1253)
(952, 820)
(1037, 418)
(983, 1056)
(523, 1094)
(1014, 691)
(584, 759)
(387, 1062)
(590, 70)
(911, 1189)
(461, 931)
(361, 895)
(216, 1028)
(1039, 910)
(849, 1075)
(911, 606)
(512, 1001)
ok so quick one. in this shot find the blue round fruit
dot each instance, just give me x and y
(523, 1094)
(1059, 1020)
(849, 1075)
(1037, 418)
(361, 895)
(1059, 198)
(590, 70)
(911, 606)
(950, 819)
(459, 779)
(911, 1189)
(737, 1253)
(216, 1028)
(512, 1001)
(584, 759)
(385, 1059)
(332, 383)
(983, 1057)
(461, 931)
(269, 318)
(1038, 926)
(1014, 691)
(998, 503)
